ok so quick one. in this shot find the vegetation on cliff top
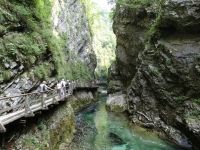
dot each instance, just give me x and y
(26, 38)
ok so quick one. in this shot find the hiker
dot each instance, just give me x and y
(59, 89)
(63, 84)
(43, 89)
(67, 86)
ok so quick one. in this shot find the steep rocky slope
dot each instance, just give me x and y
(43, 39)
(157, 66)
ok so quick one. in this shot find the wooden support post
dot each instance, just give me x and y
(54, 100)
(44, 107)
(65, 91)
(2, 141)
(63, 94)
(2, 128)
(28, 111)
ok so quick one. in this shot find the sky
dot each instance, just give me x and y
(103, 4)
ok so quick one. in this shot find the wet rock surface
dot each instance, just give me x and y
(116, 103)
(115, 139)
(162, 83)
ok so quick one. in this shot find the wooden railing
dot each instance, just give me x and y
(27, 104)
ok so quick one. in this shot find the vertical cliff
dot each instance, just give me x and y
(157, 66)
(70, 20)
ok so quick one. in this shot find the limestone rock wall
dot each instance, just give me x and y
(69, 19)
(158, 50)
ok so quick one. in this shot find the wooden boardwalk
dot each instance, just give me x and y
(32, 102)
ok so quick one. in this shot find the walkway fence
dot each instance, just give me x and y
(27, 104)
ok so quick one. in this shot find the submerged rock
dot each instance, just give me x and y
(115, 139)
(116, 103)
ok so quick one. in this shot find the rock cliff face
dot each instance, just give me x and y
(42, 39)
(158, 51)
(69, 19)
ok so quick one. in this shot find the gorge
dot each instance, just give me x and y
(153, 83)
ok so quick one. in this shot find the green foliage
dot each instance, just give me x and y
(80, 71)
(92, 16)
(104, 40)
(180, 99)
(197, 101)
(21, 47)
(56, 46)
(43, 71)
(193, 114)
(26, 37)
(6, 75)
(24, 41)
(34, 40)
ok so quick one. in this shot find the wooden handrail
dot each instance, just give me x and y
(21, 95)
(27, 94)
(30, 103)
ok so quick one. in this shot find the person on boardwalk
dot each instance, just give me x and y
(59, 90)
(67, 86)
(43, 88)
(63, 84)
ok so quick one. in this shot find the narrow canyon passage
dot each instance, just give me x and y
(145, 54)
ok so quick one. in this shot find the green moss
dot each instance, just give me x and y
(154, 33)
(6, 75)
(193, 114)
(78, 104)
(47, 133)
(180, 99)
(154, 70)
(196, 101)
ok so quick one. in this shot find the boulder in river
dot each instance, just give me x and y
(116, 103)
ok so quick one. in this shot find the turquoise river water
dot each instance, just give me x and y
(98, 129)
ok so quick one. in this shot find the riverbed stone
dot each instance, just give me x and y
(116, 103)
